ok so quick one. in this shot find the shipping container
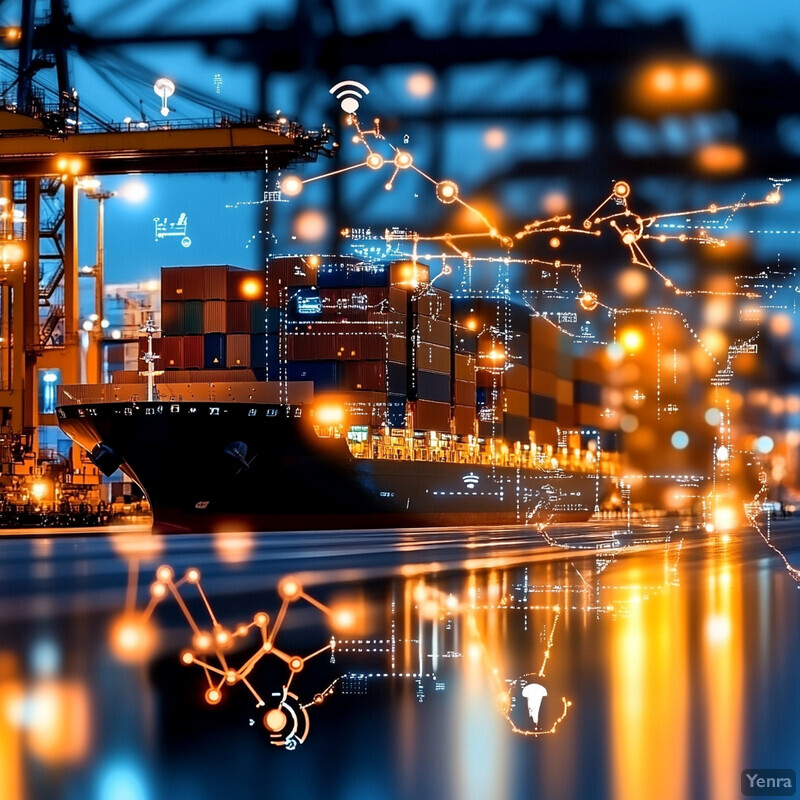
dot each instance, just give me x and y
(464, 420)
(564, 361)
(565, 416)
(516, 428)
(215, 282)
(396, 410)
(587, 393)
(432, 302)
(193, 352)
(587, 415)
(517, 377)
(361, 346)
(193, 317)
(168, 349)
(214, 316)
(464, 367)
(433, 331)
(490, 429)
(238, 350)
(564, 392)
(263, 320)
(543, 357)
(431, 416)
(367, 375)
(542, 382)
(432, 357)
(465, 340)
(182, 283)
(589, 369)
(312, 346)
(237, 316)
(432, 386)
(326, 375)
(544, 335)
(174, 378)
(464, 393)
(214, 351)
(544, 432)
(519, 346)
(543, 407)
(172, 318)
(515, 402)
(398, 349)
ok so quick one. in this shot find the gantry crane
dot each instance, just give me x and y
(43, 154)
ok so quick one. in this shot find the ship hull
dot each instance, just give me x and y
(215, 467)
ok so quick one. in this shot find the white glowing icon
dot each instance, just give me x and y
(164, 88)
(347, 92)
(534, 693)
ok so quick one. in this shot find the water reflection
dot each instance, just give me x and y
(659, 672)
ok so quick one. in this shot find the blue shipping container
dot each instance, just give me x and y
(214, 345)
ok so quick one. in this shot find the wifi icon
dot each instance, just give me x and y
(471, 480)
(347, 92)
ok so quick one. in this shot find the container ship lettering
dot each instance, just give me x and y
(334, 392)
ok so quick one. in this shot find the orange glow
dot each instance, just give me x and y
(330, 414)
(59, 731)
(11, 699)
(233, 547)
(291, 185)
(674, 84)
(719, 158)
(631, 339)
(133, 638)
(137, 544)
(471, 324)
(420, 84)
(310, 225)
(494, 138)
(275, 720)
(251, 288)
(343, 618)
(13, 253)
(289, 588)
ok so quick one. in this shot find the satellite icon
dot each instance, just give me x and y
(347, 92)
(534, 693)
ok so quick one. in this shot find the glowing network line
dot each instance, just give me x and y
(287, 722)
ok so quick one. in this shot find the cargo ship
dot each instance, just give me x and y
(337, 392)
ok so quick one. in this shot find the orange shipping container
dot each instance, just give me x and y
(514, 402)
(543, 382)
(544, 335)
(588, 415)
(464, 420)
(464, 367)
(588, 369)
(434, 303)
(517, 377)
(398, 349)
(238, 350)
(433, 358)
(464, 393)
(433, 331)
(544, 432)
(182, 283)
(564, 392)
(214, 316)
(432, 416)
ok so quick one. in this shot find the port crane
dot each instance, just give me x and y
(47, 144)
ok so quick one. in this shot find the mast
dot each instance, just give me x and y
(149, 358)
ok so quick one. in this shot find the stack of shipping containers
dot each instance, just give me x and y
(431, 359)
(382, 342)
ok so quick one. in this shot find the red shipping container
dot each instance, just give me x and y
(361, 346)
(183, 283)
(366, 375)
(168, 349)
(214, 316)
(398, 349)
(215, 282)
(237, 317)
(193, 352)
(238, 350)
(432, 416)
(311, 346)
(517, 377)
